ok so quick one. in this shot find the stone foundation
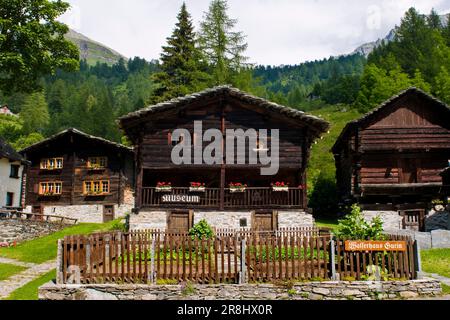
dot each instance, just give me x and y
(327, 290)
(85, 213)
(157, 219)
(21, 230)
(391, 219)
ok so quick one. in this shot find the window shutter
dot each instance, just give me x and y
(36, 188)
(169, 138)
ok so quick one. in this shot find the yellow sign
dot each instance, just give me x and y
(357, 245)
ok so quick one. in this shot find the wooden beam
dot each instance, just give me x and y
(222, 166)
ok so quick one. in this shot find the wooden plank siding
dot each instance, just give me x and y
(75, 151)
(404, 142)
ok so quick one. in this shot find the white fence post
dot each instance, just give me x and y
(334, 276)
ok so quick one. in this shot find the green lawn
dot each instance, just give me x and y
(30, 290)
(436, 261)
(43, 249)
(327, 222)
(8, 270)
(322, 160)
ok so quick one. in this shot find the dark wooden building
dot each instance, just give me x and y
(78, 175)
(391, 158)
(220, 108)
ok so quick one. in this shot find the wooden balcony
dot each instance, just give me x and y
(251, 198)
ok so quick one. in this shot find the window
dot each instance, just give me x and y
(97, 162)
(50, 188)
(96, 187)
(14, 173)
(9, 199)
(51, 163)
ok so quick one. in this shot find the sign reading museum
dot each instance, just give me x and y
(180, 198)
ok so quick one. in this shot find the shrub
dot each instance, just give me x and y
(355, 227)
(121, 224)
(201, 230)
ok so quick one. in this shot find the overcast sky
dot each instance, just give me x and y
(278, 31)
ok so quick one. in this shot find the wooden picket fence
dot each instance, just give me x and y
(149, 256)
(390, 265)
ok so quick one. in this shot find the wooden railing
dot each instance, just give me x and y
(13, 214)
(251, 198)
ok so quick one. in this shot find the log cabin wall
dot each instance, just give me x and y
(75, 151)
(219, 108)
(406, 141)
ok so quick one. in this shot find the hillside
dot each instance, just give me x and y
(93, 51)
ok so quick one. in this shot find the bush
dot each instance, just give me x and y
(120, 224)
(201, 230)
(355, 227)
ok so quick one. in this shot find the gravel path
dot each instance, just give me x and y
(19, 280)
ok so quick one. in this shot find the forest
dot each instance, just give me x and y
(66, 92)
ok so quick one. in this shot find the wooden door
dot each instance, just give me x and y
(179, 221)
(39, 210)
(264, 221)
(409, 171)
(108, 213)
(413, 219)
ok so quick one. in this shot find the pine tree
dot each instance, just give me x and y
(223, 48)
(181, 62)
(434, 21)
(34, 113)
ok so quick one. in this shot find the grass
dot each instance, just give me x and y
(30, 290)
(43, 249)
(8, 270)
(327, 222)
(445, 288)
(436, 261)
(322, 160)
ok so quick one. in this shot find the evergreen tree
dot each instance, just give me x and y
(181, 62)
(434, 21)
(223, 47)
(442, 85)
(34, 113)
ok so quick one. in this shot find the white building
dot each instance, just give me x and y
(12, 166)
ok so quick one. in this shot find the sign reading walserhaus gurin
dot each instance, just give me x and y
(180, 198)
(356, 245)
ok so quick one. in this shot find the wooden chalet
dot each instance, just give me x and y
(219, 108)
(391, 158)
(81, 176)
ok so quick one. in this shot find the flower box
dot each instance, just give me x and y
(237, 187)
(280, 186)
(95, 194)
(280, 189)
(163, 187)
(197, 187)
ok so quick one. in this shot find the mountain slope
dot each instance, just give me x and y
(366, 48)
(93, 51)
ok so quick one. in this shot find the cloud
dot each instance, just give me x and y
(278, 31)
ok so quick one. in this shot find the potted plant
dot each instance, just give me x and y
(48, 193)
(197, 187)
(163, 187)
(95, 166)
(237, 187)
(280, 186)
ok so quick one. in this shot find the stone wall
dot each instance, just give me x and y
(224, 219)
(391, 219)
(427, 240)
(84, 213)
(327, 290)
(220, 219)
(21, 230)
(288, 219)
